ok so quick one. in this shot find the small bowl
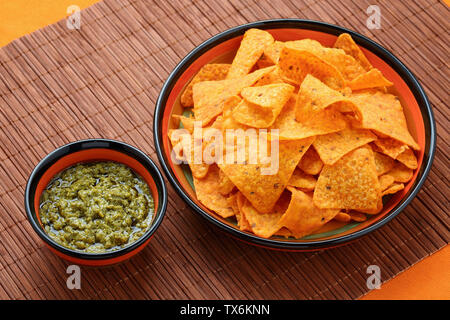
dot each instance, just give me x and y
(221, 48)
(88, 151)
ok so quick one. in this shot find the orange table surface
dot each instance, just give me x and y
(428, 279)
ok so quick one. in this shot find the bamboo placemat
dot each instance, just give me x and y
(59, 85)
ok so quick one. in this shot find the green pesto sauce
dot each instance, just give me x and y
(96, 207)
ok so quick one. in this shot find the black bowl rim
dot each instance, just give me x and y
(387, 56)
(79, 145)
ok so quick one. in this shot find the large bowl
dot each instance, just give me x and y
(89, 151)
(221, 48)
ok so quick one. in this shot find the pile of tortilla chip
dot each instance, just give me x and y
(343, 140)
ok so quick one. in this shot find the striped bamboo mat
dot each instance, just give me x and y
(59, 85)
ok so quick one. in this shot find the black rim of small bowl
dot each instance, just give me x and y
(381, 52)
(80, 145)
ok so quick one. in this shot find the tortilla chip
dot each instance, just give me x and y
(241, 219)
(346, 43)
(342, 217)
(252, 47)
(263, 62)
(345, 64)
(301, 180)
(183, 147)
(218, 123)
(269, 96)
(302, 217)
(263, 191)
(199, 170)
(232, 203)
(346, 92)
(401, 173)
(187, 123)
(252, 115)
(385, 181)
(311, 162)
(209, 72)
(228, 121)
(383, 163)
(266, 224)
(236, 85)
(209, 96)
(206, 191)
(262, 105)
(313, 97)
(295, 64)
(333, 146)
(283, 232)
(270, 78)
(272, 51)
(371, 79)
(347, 108)
(225, 184)
(378, 209)
(356, 216)
(383, 113)
(396, 187)
(323, 122)
(408, 158)
(351, 183)
(208, 99)
(310, 45)
(390, 147)
(178, 143)
(297, 214)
